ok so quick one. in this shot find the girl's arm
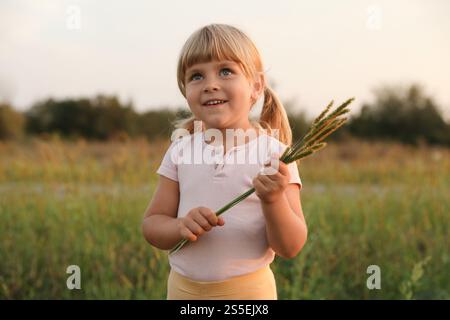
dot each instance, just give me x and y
(160, 225)
(281, 205)
(285, 224)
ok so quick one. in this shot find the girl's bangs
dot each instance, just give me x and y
(209, 47)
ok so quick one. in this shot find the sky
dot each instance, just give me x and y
(312, 51)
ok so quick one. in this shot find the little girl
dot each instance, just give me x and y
(220, 74)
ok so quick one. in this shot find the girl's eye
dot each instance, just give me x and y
(199, 75)
(194, 75)
(226, 69)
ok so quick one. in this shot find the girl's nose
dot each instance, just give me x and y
(211, 86)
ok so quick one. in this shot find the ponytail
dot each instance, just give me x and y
(273, 116)
(187, 124)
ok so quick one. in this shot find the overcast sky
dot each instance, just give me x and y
(313, 51)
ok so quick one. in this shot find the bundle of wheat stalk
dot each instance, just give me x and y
(310, 143)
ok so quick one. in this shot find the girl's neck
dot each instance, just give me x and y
(235, 136)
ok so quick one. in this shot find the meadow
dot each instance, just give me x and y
(81, 203)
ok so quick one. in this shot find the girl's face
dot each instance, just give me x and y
(221, 80)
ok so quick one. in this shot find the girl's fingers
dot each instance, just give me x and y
(278, 175)
(220, 221)
(209, 215)
(201, 220)
(187, 234)
(274, 177)
(284, 170)
(269, 183)
(194, 227)
(259, 186)
(268, 170)
(266, 181)
(275, 180)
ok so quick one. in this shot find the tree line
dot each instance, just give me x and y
(406, 115)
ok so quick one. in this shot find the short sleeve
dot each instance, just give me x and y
(169, 163)
(295, 176)
(293, 168)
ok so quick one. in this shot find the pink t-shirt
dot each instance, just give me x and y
(207, 178)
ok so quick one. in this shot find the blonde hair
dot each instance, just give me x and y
(224, 42)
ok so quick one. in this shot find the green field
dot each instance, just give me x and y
(82, 204)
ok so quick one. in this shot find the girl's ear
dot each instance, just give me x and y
(258, 86)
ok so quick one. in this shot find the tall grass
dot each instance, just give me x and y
(82, 203)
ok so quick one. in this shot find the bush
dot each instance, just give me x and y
(11, 123)
(405, 115)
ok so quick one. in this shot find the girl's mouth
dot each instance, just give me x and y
(215, 104)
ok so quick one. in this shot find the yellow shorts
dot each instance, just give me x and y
(258, 285)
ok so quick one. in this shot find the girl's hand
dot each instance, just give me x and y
(272, 181)
(197, 222)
